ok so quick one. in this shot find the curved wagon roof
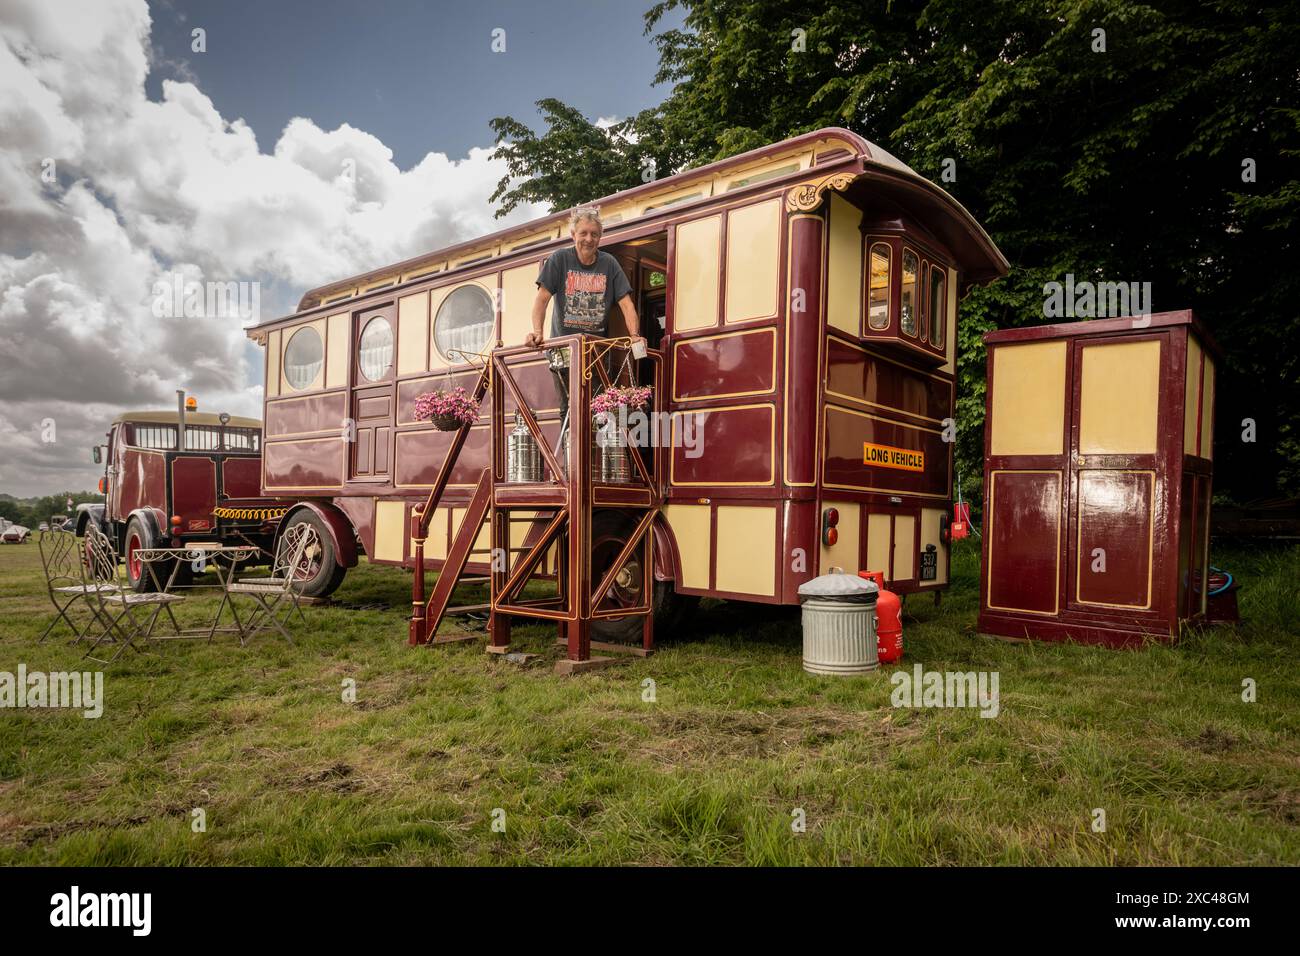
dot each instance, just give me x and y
(828, 159)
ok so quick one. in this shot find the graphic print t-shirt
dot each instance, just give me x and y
(582, 295)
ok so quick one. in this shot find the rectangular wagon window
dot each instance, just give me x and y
(878, 292)
(910, 301)
(938, 304)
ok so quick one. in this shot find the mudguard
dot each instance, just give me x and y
(336, 524)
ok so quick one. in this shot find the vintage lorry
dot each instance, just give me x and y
(173, 477)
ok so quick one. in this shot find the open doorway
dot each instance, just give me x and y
(645, 263)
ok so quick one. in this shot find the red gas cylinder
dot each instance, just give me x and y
(889, 620)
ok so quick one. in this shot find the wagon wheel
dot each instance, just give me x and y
(609, 531)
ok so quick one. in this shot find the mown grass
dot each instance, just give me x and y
(587, 772)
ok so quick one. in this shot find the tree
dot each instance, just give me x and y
(1104, 138)
(572, 163)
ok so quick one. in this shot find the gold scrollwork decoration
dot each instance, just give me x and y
(806, 197)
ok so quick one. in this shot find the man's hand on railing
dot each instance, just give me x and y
(533, 340)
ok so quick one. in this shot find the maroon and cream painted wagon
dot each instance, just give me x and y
(800, 303)
(1098, 467)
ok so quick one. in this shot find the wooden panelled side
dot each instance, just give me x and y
(390, 530)
(1192, 398)
(1024, 546)
(753, 256)
(241, 477)
(844, 267)
(1028, 413)
(729, 365)
(1116, 525)
(294, 417)
(853, 373)
(1207, 410)
(273, 364)
(879, 543)
(747, 549)
(690, 525)
(304, 464)
(904, 548)
(338, 349)
(1119, 398)
(734, 445)
(518, 290)
(844, 553)
(697, 261)
(413, 333)
(847, 431)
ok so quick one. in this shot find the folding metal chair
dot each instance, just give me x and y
(293, 557)
(61, 557)
(117, 609)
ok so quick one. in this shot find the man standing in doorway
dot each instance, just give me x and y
(585, 283)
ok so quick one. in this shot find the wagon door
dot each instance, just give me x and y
(1115, 473)
(373, 403)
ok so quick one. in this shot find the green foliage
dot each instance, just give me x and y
(572, 163)
(1123, 165)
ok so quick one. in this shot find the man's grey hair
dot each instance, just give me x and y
(585, 212)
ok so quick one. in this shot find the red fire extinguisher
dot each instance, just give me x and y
(889, 620)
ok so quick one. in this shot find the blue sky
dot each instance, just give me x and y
(421, 76)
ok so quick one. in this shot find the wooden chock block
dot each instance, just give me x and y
(568, 667)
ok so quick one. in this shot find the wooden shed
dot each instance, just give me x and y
(1097, 472)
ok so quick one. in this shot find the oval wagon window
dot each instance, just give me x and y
(376, 349)
(303, 358)
(464, 323)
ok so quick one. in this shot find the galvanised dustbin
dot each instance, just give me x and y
(839, 624)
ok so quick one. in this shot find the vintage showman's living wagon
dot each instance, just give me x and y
(800, 302)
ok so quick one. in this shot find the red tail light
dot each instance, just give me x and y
(830, 518)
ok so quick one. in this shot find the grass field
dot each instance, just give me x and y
(439, 742)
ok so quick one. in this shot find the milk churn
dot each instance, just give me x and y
(614, 465)
(523, 459)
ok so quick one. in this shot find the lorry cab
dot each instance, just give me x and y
(171, 480)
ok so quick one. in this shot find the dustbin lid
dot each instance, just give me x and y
(840, 587)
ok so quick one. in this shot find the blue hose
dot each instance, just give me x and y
(1225, 587)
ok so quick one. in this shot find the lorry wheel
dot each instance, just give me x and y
(608, 533)
(322, 574)
(137, 574)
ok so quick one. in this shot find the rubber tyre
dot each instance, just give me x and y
(608, 531)
(328, 572)
(137, 574)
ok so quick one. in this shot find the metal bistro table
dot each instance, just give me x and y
(223, 559)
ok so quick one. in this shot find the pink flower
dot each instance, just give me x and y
(632, 397)
(457, 404)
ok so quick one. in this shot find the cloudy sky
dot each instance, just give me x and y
(307, 142)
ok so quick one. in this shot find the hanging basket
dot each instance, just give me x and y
(447, 409)
(446, 423)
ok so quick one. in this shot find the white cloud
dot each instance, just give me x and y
(147, 188)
